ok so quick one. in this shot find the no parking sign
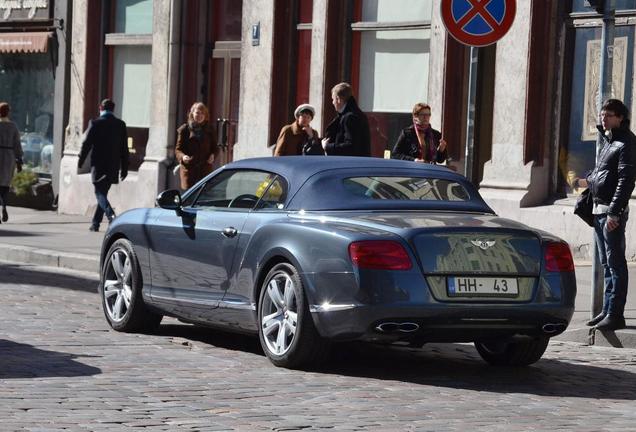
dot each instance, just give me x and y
(478, 22)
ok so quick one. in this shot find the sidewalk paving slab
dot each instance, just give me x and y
(63, 241)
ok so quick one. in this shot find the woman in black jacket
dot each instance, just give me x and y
(419, 142)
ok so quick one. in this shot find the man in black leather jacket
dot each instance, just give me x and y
(611, 184)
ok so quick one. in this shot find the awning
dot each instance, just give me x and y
(33, 42)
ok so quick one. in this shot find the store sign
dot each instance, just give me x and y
(24, 10)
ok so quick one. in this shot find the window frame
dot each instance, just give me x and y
(226, 175)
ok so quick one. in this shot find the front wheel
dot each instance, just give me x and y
(286, 330)
(512, 353)
(120, 291)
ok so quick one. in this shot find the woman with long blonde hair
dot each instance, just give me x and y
(196, 146)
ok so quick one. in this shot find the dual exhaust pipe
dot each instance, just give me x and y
(397, 327)
(410, 327)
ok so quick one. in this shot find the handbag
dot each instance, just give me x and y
(313, 148)
(583, 207)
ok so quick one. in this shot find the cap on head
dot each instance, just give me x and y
(304, 107)
(107, 105)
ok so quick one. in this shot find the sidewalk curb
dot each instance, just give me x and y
(49, 258)
(625, 338)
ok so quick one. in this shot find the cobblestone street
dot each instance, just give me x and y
(62, 368)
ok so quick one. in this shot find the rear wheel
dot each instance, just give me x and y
(120, 291)
(286, 330)
(512, 353)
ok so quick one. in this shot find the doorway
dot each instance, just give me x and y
(224, 82)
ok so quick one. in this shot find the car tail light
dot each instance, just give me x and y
(558, 258)
(379, 255)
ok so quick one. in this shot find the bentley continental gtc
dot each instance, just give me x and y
(307, 251)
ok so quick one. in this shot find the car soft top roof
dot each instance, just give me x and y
(314, 182)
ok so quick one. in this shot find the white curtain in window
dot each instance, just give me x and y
(397, 10)
(393, 69)
(133, 16)
(131, 84)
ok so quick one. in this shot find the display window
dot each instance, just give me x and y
(390, 39)
(28, 85)
(577, 152)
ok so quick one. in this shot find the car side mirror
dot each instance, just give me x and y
(170, 200)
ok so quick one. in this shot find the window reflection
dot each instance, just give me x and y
(27, 84)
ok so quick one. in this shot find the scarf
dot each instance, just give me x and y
(196, 129)
(427, 148)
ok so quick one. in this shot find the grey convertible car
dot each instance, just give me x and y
(307, 251)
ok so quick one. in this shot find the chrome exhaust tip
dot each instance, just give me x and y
(408, 327)
(551, 328)
(392, 327)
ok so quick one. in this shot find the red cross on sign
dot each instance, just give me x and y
(478, 22)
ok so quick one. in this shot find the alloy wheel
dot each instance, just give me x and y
(279, 313)
(118, 285)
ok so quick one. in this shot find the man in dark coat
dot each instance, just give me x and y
(348, 134)
(105, 140)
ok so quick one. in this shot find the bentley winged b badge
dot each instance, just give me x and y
(483, 244)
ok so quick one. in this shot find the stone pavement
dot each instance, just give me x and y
(50, 239)
(63, 369)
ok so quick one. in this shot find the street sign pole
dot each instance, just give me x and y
(470, 115)
(605, 92)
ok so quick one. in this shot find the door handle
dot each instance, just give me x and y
(221, 125)
(230, 232)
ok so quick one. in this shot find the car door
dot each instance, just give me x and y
(192, 250)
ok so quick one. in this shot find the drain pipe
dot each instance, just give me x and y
(174, 59)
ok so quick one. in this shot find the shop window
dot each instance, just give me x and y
(577, 153)
(581, 5)
(387, 53)
(131, 86)
(390, 61)
(129, 71)
(27, 84)
(133, 16)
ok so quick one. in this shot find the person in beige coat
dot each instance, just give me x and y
(10, 155)
(299, 138)
(196, 146)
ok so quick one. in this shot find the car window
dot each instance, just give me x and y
(234, 189)
(405, 188)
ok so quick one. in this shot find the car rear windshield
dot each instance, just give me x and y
(405, 188)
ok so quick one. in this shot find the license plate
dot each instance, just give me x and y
(482, 286)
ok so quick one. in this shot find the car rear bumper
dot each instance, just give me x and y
(450, 323)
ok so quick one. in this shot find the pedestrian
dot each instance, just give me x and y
(10, 155)
(299, 138)
(611, 184)
(419, 142)
(105, 141)
(196, 146)
(348, 133)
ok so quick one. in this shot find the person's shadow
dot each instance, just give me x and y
(25, 361)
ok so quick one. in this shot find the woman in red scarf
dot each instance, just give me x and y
(419, 142)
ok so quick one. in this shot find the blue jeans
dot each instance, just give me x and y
(611, 251)
(103, 206)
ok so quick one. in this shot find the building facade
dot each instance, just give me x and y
(519, 132)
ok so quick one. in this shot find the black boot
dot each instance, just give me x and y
(611, 322)
(5, 215)
(597, 319)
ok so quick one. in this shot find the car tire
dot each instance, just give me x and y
(512, 353)
(282, 307)
(120, 290)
